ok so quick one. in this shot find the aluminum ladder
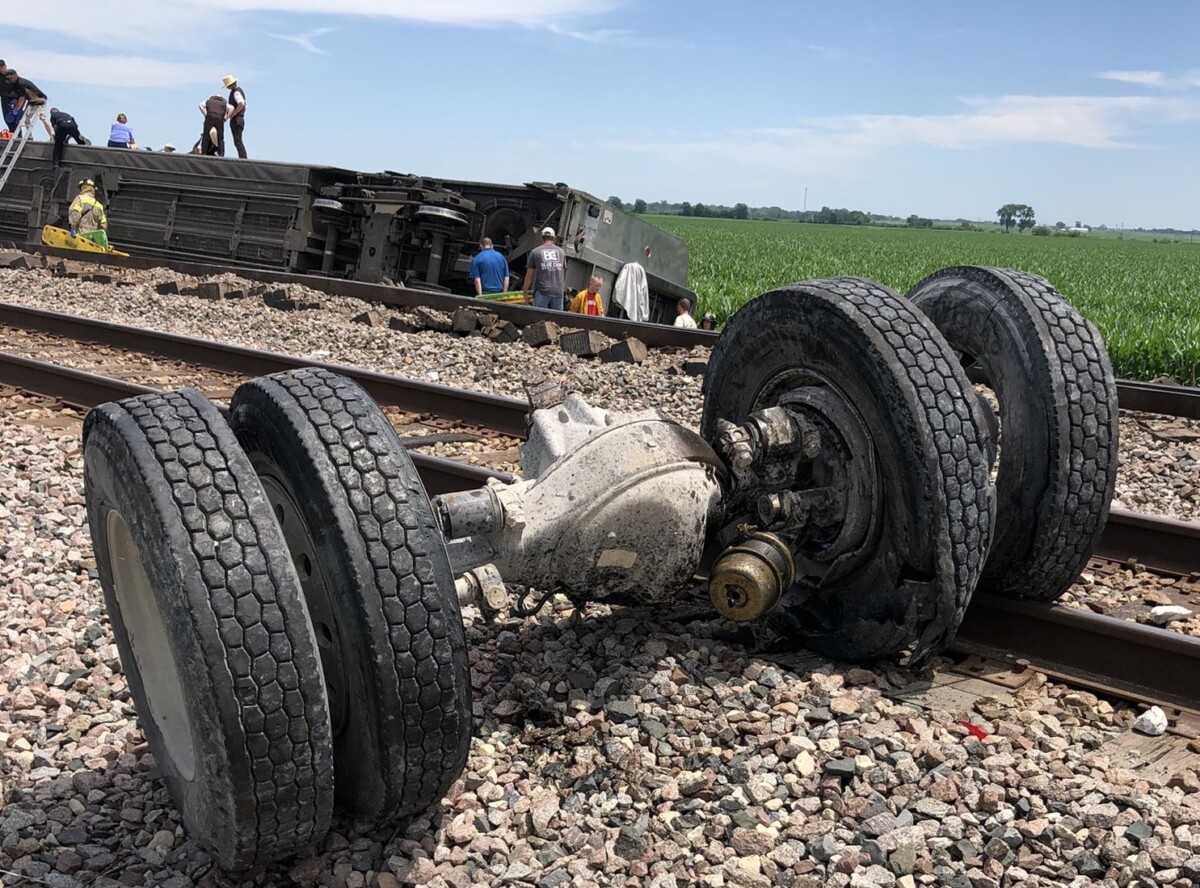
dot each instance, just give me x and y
(12, 151)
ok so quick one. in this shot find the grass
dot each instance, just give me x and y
(1143, 296)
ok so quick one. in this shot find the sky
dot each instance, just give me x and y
(1087, 111)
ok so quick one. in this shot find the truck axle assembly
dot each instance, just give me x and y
(287, 600)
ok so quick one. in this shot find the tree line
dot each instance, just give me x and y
(1012, 214)
(825, 215)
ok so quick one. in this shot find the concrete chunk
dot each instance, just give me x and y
(630, 351)
(21, 261)
(464, 321)
(430, 319)
(541, 333)
(403, 324)
(503, 331)
(212, 290)
(167, 288)
(583, 343)
(371, 318)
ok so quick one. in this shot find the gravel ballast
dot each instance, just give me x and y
(1160, 457)
(612, 746)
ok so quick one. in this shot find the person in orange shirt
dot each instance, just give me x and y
(589, 301)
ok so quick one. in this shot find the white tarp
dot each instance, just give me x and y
(632, 292)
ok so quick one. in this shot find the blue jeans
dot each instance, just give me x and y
(545, 300)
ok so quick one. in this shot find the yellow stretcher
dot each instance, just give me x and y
(60, 237)
(512, 296)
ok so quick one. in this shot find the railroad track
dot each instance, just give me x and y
(1111, 656)
(1169, 400)
(1163, 544)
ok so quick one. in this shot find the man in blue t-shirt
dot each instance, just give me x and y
(489, 269)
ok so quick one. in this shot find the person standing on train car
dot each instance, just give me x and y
(237, 113)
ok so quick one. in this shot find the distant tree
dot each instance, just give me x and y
(1025, 217)
(700, 210)
(1040, 231)
(639, 206)
(741, 211)
(615, 201)
(915, 221)
(1007, 215)
(685, 209)
(1060, 225)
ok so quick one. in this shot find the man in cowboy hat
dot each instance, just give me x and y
(236, 113)
(215, 110)
(87, 215)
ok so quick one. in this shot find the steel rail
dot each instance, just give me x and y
(1164, 545)
(87, 390)
(1148, 397)
(1087, 650)
(500, 414)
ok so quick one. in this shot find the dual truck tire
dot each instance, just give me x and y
(284, 609)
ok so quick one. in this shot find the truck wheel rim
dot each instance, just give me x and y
(315, 587)
(148, 637)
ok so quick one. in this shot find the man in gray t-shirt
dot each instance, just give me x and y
(545, 273)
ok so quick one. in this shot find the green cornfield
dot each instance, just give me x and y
(1142, 295)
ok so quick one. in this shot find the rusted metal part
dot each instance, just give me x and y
(87, 390)
(1087, 650)
(1149, 397)
(506, 415)
(66, 384)
(1163, 545)
(1152, 397)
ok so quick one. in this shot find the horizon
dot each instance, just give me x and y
(1086, 111)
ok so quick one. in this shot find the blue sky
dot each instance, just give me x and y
(1086, 110)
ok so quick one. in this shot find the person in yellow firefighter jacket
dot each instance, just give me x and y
(87, 215)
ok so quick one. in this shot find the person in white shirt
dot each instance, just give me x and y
(683, 314)
(236, 113)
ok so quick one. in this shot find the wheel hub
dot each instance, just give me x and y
(804, 469)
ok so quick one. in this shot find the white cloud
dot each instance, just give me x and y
(305, 41)
(1157, 79)
(123, 71)
(1140, 78)
(163, 23)
(828, 143)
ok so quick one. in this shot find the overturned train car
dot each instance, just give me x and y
(385, 227)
